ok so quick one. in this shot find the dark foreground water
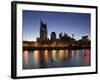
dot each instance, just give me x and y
(55, 58)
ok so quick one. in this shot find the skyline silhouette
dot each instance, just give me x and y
(65, 22)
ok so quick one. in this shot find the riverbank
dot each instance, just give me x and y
(30, 48)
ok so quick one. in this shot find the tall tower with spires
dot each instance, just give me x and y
(43, 29)
(43, 32)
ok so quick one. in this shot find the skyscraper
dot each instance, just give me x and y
(53, 36)
(43, 30)
(60, 36)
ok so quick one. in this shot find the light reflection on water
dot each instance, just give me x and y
(72, 55)
(61, 55)
(46, 56)
(55, 58)
(66, 55)
(36, 56)
(26, 57)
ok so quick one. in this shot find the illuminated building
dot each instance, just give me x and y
(43, 32)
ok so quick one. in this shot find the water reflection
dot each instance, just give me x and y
(61, 55)
(72, 55)
(36, 56)
(46, 56)
(86, 56)
(55, 58)
(77, 56)
(26, 57)
(66, 55)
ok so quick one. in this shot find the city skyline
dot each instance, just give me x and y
(58, 22)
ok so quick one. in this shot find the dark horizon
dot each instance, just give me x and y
(65, 22)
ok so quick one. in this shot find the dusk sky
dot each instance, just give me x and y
(65, 22)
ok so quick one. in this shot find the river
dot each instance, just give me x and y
(56, 58)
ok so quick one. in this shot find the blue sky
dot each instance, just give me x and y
(70, 23)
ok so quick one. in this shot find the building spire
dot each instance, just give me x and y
(41, 20)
